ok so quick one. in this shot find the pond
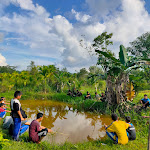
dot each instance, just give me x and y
(69, 125)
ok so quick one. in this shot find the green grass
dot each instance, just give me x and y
(140, 95)
(141, 128)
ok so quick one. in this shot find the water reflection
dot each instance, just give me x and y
(70, 125)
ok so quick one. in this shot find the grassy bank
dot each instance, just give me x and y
(141, 127)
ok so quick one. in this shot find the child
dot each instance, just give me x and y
(2, 110)
(37, 132)
(131, 130)
(4, 100)
(117, 130)
(16, 114)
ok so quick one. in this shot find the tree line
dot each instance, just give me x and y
(132, 64)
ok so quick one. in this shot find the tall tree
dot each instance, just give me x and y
(117, 72)
(141, 46)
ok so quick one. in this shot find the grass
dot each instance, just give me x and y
(141, 128)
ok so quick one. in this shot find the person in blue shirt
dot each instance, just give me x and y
(131, 130)
(145, 101)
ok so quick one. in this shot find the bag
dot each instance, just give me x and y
(23, 114)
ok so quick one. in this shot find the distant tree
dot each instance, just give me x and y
(82, 74)
(96, 70)
(7, 69)
(32, 68)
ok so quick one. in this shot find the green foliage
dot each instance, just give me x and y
(141, 46)
(123, 55)
(46, 79)
(7, 69)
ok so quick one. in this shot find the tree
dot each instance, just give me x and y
(32, 68)
(47, 72)
(141, 46)
(117, 72)
(82, 74)
(7, 69)
(95, 76)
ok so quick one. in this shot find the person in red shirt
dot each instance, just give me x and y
(3, 111)
(36, 131)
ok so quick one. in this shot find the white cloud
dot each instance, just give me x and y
(130, 23)
(81, 17)
(2, 61)
(58, 38)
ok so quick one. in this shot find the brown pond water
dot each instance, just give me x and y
(70, 125)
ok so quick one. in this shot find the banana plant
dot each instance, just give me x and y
(117, 72)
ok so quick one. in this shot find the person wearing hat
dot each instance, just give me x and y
(2, 110)
(36, 131)
(145, 101)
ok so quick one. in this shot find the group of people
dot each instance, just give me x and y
(77, 93)
(120, 131)
(74, 93)
(97, 96)
(17, 122)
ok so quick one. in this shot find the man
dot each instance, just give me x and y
(103, 97)
(117, 130)
(97, 96)
(37, 132)
(145, 101)
(16, 114)
(69, 93)
(2, 110)
(88, 96)
(131, 130)
(79, 93)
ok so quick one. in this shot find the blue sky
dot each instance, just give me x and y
(49, 31)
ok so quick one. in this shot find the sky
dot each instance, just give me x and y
(49, 32)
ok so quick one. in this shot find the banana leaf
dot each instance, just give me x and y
(123, 55)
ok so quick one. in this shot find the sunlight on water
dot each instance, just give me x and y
(70, 125)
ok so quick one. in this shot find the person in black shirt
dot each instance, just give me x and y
(88, 96)
(79, 93)
(16, 114)
(131, 130)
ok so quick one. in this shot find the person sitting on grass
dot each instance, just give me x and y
(9, 124)
(79, 93)
(69, 93)
(97, 96)
(145, 101)
(88, 96)
(103, 97)
(4, 100)
(3, 111)
(74, 92)
(117, 130)
(37, 132)
(131, 130)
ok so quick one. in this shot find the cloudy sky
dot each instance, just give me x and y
(49, 31)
